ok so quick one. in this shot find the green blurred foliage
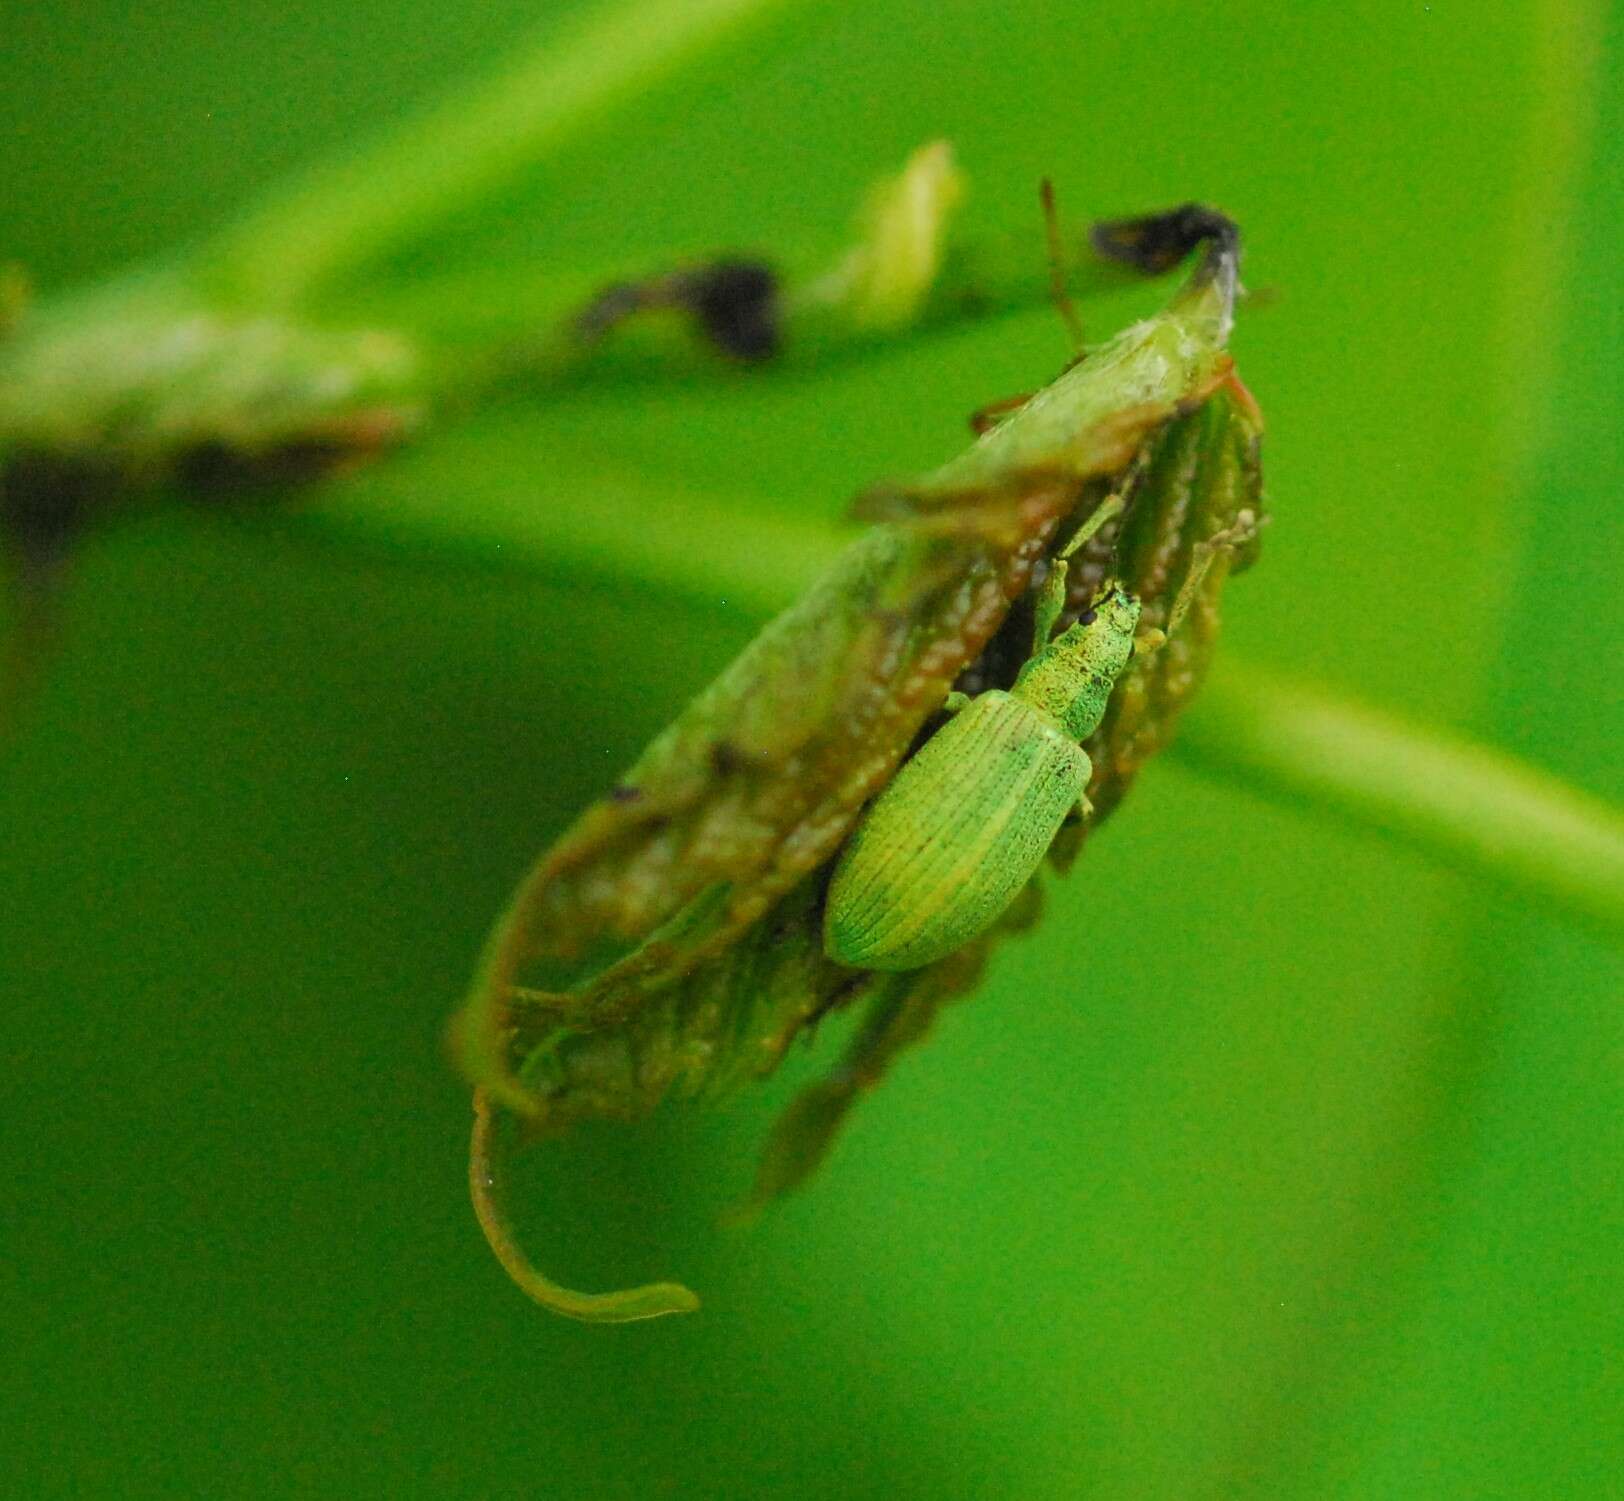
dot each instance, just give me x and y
(1304, 1184)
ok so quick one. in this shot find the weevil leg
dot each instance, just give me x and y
(1203, 556)
(1050, 603)
(1107, 509)
(955, 701)
(1231, 539)
(984, 419)
(1085, 808)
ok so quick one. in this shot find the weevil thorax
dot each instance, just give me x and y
(1071, 678)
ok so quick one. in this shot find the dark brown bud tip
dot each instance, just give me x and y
(1154, 243)
(736, 304)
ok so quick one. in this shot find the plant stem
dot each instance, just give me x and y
(909, 267)
(1472, 808)
(349, 212)
(706, 549)
(985, 275)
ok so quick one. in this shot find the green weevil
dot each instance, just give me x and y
(966, 823)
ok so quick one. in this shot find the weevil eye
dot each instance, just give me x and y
(1088, 617)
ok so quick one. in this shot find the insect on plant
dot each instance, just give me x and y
(777, 854)
(966, 823)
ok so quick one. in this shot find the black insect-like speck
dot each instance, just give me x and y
(734, 302)
(727, 759)
(46, 503)
(1154, 243)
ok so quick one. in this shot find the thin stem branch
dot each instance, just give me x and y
(349, 212)
(910, 267)
(985, 275)
(1470, 807)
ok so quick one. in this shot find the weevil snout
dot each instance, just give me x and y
(1116, 607)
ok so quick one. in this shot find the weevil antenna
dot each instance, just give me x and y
(1051, 600)
(486, 1189)
(1057, 268)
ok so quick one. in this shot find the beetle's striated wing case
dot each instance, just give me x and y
(959, 831)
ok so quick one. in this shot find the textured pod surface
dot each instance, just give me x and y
(756, 784)
(749, 792)
(1205, 477)
(672, 941)
(959, 831)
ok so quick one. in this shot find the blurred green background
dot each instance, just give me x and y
(1277, 1163)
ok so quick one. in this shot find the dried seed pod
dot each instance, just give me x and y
(672, 940)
